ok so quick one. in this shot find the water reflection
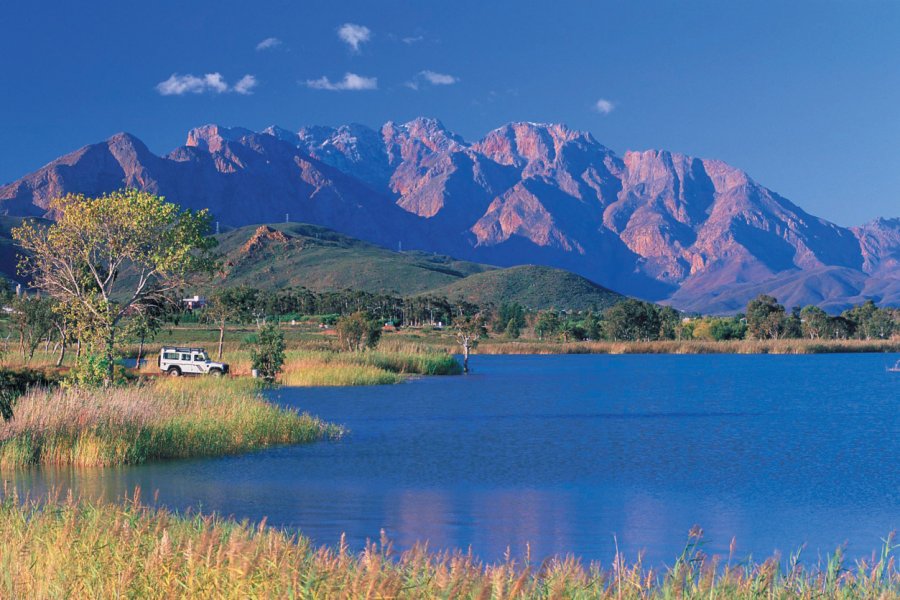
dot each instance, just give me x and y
(569, 455)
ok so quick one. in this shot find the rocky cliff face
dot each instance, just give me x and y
(660, 225)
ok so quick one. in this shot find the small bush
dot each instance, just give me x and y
(267, 353)
(90, 371)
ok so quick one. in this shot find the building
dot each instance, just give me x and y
(194, 302)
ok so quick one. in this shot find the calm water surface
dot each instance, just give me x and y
(571, 453)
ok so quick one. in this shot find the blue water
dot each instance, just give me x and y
(573, 454)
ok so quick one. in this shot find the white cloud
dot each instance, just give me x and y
(214, 83)
(438, 78)
(245, 85)
(268, 43)
(432, 77)
(354, 35)
(351, 82)
(413, 39)
(604, 106)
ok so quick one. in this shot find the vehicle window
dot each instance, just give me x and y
(186, 357)
(199, 358)
(170, 355)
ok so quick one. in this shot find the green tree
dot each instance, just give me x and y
(145, 323)
(814, 322)
(230, 304)
(593, 326)
(510, 318)
(105, 255)
(470, 329)
(358, 331)
(728, 328)
(33, 319)
(870, 322)
(669, 322)
(632, 320)
(513, 329)
(547, 324)
(267, 351)
(766, 319)
(570, 329)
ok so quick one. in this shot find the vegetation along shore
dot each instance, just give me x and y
(67, 548)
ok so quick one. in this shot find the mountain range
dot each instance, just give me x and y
(695, 233)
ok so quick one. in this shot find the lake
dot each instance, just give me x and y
(573, 454)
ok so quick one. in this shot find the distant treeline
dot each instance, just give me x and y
(628, 320)
(764, 319)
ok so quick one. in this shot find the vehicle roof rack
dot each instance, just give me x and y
(182, 349)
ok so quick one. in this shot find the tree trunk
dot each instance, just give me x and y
(137, 363)
(62, 352)
(110, 351)
(221, 338)
(466, 356)
(78, 350)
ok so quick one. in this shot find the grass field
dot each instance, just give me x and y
(162, 419)
(72, 549)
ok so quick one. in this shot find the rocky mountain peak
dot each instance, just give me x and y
(526, 142)
(282, 134)
(698, 233)
(212, 137)
(428, 132)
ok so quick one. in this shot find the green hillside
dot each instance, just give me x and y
(292, 254)
(531, 286)
(320, 259)
(8, 251)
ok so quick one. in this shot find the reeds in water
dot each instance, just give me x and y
(158, 420)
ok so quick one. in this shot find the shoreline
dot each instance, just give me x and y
(71, 547)
(790, 346)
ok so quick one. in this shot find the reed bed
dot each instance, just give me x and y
(785, 346)
(363, 368)
(64, 548)
(163, 419)
(333, 368)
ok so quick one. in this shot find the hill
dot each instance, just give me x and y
(532, 286)
(8, 250)
(294, 254)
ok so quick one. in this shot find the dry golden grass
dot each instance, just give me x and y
(161, 419)
(71, 549)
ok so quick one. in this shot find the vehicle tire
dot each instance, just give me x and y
(173, 372)
(215, 372)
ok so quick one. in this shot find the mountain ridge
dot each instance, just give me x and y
(694, 232)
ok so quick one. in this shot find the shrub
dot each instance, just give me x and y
(358, 331)
(91, 371)
(267, 353)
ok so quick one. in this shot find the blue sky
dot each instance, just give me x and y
(804, 95)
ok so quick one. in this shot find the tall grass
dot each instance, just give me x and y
(71, 549)
(333, 368)
(157, 420)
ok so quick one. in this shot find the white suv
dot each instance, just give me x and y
(189, 361)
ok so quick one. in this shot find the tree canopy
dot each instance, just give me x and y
(112, 254)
